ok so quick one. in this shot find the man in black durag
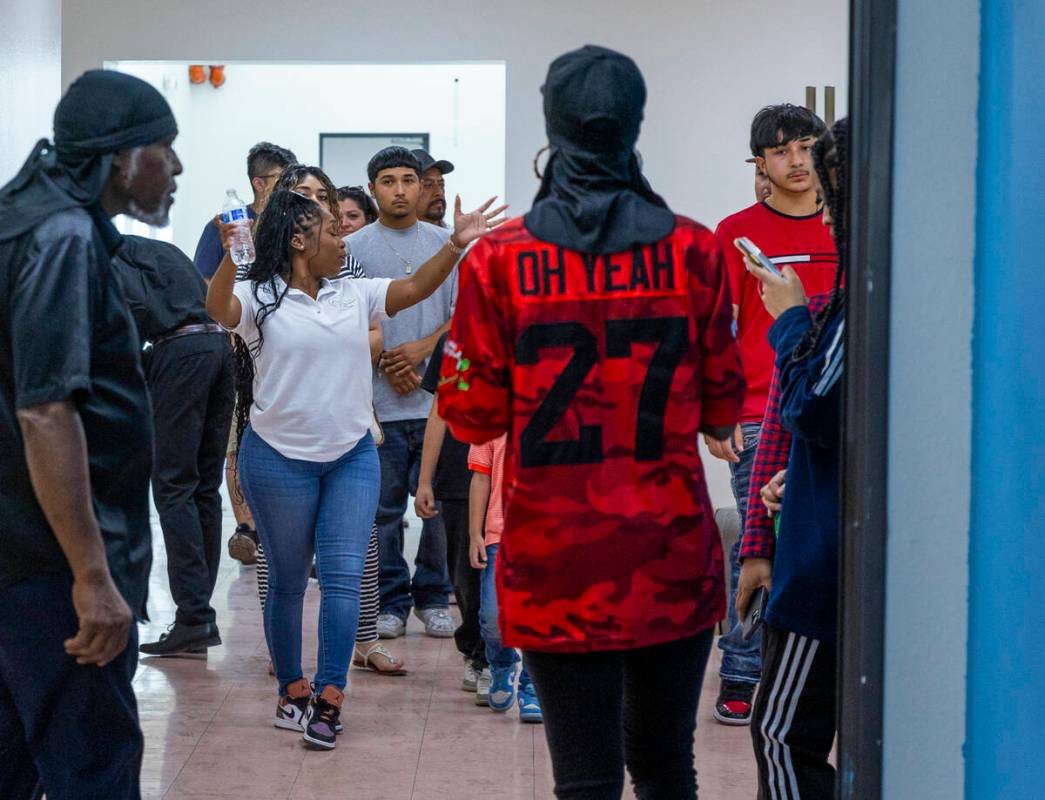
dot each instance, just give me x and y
(189, 370)
(75, 444)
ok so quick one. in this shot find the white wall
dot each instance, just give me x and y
(30, 66)
(292, 104)
(709, 66)
(927, 558)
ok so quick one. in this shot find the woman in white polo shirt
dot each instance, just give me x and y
(307, 462)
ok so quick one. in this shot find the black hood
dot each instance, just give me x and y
(101, 113)
(593, 197)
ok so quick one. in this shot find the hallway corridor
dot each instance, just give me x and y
(209, 734)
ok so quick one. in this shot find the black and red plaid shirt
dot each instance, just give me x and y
(774, 447)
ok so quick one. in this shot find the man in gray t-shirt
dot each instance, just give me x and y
(395, 246)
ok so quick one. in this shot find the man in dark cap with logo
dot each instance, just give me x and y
(76, 444)
(431, 203)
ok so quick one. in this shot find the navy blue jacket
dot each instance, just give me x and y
(805, 568)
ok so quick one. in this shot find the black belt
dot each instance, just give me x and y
(188, 330)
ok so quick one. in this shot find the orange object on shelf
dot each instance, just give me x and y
(217, 75)
(197, 74)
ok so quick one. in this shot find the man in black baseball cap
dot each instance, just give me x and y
(431, 205)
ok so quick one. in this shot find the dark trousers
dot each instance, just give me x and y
(68, 730)
(637, 708)
(793, 720)
(191, 383)
(465, 580)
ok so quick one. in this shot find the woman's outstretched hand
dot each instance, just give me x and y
(470, 226)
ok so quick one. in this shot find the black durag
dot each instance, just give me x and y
(593, 197)
(101, 113)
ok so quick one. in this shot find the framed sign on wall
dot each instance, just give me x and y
(344, 156)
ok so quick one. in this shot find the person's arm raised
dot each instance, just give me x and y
(222, 305)
(406, 292)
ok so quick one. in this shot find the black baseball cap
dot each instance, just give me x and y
(427, 162)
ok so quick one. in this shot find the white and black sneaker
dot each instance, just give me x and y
(482, 687)
(292, 709)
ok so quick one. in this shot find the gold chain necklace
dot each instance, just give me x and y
(408, 263)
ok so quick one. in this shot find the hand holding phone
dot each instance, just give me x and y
(750, 250)
(755, 612)
(779, 293)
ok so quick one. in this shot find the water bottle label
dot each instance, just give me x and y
(234, 215)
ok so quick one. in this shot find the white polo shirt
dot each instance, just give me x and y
(313, 384)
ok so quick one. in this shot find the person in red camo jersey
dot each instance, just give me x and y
(596, 332)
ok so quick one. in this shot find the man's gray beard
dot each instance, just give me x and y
(159, 218)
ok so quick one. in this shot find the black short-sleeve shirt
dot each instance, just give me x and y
(452, 477)
(163, 289)
(65, 333)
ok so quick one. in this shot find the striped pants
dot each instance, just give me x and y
(369, 595)
(793, 720)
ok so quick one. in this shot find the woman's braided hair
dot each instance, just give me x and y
(831, 161)
(287, 213)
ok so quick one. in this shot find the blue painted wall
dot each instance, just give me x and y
(1005, 758)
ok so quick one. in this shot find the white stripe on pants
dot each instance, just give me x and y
(791, 677)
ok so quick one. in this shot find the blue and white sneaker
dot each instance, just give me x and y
(529, 705)
(502, 689)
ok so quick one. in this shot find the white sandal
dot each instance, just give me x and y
(362, 660)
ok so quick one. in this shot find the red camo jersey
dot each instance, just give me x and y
(805, 244)
(602, 370)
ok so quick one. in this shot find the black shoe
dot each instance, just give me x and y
(733, 706)
(183, 639)
(323, 722)
(243, 545)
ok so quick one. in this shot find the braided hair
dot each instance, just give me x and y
(831, 155)
(287, 213)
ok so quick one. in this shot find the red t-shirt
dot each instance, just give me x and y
(805, 244)
(601, 369)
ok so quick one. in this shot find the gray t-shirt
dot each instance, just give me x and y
(372, 246)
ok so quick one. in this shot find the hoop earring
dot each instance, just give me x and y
(537, 158)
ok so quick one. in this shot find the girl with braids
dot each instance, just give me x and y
(308, 463)
(793, 722)
(369, 652)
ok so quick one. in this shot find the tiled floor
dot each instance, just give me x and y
(208, 731)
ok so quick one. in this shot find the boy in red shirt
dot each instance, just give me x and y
(787, 228)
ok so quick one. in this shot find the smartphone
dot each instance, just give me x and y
(749, 248)
(756, 609)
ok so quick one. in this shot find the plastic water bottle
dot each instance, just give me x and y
(235, 210)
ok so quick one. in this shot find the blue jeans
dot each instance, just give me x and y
(400, 456)
(68, 730)
(741, 661)
(303, 508)
(499, 656)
